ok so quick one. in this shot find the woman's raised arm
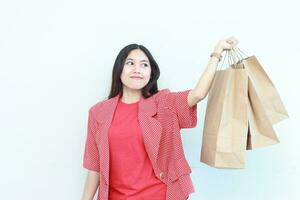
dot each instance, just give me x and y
(201, 89)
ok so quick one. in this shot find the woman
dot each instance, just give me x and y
(133, 147)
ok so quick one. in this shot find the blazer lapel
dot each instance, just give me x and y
(150, 127)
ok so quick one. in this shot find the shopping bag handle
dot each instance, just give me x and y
(234, 56)
(239, 53)
(231, 59)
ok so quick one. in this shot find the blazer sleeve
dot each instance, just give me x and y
(91, 153)
(178, 102)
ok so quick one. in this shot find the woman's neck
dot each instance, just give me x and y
(131, 96)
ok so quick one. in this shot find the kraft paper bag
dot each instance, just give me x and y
(261, 132)
(265, 89)
(226, 126)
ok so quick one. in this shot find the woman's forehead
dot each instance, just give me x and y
(137, 55)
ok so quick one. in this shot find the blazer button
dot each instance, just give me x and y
(161, 175)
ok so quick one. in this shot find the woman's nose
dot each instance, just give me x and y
(136, 68)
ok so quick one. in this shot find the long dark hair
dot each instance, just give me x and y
(116, 83)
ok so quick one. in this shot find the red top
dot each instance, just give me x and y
(131, 173)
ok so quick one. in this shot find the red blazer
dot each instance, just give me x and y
(161, 117)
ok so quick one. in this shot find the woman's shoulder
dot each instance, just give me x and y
(161, 93)
(96, 107)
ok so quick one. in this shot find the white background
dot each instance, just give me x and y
(56, 59)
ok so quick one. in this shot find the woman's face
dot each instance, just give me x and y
(136, 71)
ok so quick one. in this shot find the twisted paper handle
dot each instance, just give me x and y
(234, 56)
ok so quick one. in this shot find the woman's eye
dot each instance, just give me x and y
(145, 64)
(129, 62)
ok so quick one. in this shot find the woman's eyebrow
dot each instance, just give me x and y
(140, 60)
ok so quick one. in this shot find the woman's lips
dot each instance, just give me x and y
(135, 77)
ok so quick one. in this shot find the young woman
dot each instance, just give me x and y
(133, 147)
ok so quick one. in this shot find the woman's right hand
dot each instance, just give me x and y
(226, 44)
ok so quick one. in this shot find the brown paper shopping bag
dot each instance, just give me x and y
(261, 132)
(225, 130)
(264, 87)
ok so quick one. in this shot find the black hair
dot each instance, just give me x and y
(116, 83)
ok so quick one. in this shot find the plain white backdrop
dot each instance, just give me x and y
(56, 59)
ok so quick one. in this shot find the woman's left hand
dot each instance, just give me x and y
(226, 44)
